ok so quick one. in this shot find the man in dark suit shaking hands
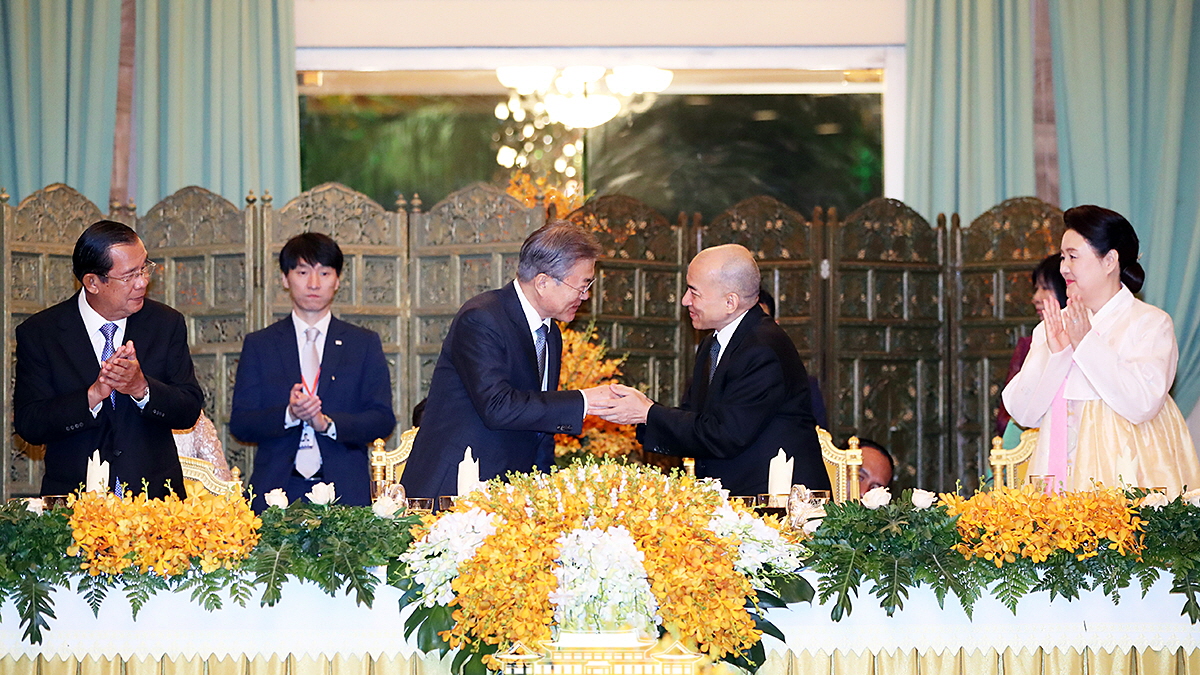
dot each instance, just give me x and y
(108, 370)
(749, 394)
(312, 391)
(495, 385)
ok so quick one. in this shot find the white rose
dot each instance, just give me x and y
(877, 497)
(322, 493)
(277, 497)
(923, 499)
(36, 505)
(1191, 497)
(1155, 500)
(385, 507)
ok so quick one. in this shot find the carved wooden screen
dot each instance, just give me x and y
(374, 286)
(993, 259)
(466, 244)
(635, 301)
(789, 250)
(887, 339)
(203, 244)
(38, 237)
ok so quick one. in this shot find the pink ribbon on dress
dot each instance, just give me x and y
(1056, 469)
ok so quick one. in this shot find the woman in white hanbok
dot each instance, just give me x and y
(1098, 373)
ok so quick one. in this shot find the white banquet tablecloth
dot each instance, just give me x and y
(308, 622)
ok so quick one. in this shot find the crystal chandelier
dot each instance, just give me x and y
(579, 97)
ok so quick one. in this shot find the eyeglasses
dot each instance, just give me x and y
(147, 271)
(581, 291)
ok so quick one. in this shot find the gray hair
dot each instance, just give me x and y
(554, 249)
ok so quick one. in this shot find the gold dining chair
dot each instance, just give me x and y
(842, 465)
(1007, 462)
(387, 466)
(200, 474)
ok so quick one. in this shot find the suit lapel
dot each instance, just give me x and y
(331, 359)
(700, 372)
(289, 350)
(553, 357)
(76, 343)
(749, 321)
(516, 314)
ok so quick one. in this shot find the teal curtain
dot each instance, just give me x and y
(58, 95)
(215, 99)
(1127, 91)
(969, 135)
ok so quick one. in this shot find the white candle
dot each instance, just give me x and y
(779, 480)
(468, 473)
(97, 474)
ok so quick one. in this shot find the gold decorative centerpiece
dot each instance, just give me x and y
(520, 569)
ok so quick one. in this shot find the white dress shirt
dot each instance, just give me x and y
(92, 322)
(322, 326)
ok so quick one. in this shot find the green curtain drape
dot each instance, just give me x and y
(58, 94)
(1127, 90)
(969, 136)
(215, 99)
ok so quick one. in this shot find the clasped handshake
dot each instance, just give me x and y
(618, 403)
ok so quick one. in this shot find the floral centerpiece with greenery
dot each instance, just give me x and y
(213, 547)
(1007, 542)
(598, 546)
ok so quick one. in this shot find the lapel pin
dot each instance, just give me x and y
(337, 342)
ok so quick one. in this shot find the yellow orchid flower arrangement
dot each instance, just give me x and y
(585, 364)
(489, 573)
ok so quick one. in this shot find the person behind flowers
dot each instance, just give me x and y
(1097, 376)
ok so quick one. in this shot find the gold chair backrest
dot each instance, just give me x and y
(842, 465)
(198, 473)
(388, 465)
(1006, 462)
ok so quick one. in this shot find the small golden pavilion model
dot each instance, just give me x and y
(620, 653)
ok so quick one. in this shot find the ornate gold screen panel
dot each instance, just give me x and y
(38, 237)
(203, 246)
(789, 250)
(887, 339)
(635, 301)
(990, 273)
(466, 244)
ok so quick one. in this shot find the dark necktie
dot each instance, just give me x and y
(539, 343)
(109, 330)
(713, 352)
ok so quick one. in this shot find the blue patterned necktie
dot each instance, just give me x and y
(540, 343)
(109, 330)
(713, 352)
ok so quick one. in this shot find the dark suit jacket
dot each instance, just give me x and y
(486, 394)
(55, 367)
(757, 402)
(355, 391)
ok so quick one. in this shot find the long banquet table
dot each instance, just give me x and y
(310, 632)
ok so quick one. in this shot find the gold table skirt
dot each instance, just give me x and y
(952, 662)
(311, 633)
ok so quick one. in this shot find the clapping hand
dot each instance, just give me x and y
(122, 372)
(306, 407)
